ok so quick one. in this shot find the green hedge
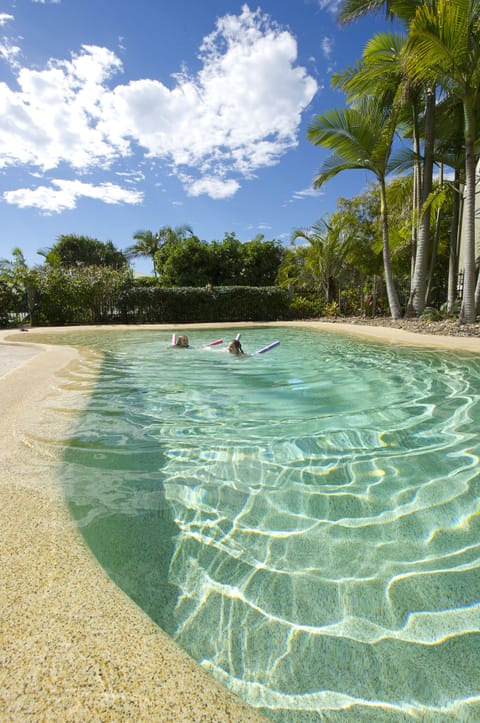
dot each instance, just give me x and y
(92, 295)
(193, 304)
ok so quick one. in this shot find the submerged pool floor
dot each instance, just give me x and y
(305, 522)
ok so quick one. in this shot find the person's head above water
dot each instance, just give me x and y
(234, 347)
(182, 341)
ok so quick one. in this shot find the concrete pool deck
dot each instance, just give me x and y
(73, 646)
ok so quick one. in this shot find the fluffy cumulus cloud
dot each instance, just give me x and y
(62, 195)
(239, 113)
(215, 187)
(54, 116)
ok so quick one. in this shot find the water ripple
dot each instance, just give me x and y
(305, 523)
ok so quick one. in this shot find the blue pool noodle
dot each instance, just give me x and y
(268, 347)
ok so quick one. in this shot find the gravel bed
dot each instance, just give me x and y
(444, 327)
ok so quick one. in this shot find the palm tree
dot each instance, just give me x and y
(361, 137)
(383, 71)
(450, 152)
(412, 91)
(354, 9)
(326, 256)
(444, 47)
(149, 242)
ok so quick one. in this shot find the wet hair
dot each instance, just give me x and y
(234, 347)
(182, 341)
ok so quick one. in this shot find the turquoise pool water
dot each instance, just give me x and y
(305, 523)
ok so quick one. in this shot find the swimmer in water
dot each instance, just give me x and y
(234, 347)
(182, 342)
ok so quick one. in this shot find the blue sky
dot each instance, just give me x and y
(119, 115)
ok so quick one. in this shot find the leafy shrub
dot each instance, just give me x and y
(303, 308)
(332, 309)
(431, 314)
(455, 311)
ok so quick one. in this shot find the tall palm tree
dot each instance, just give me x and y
(450, 152)
(149, 242)
(381, 71)
(444, 47)
(405, 10)
(361, 137)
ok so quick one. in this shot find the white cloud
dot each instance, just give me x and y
(327, 46)
(307, 193)
(331, 5)
(134, 176)
(63, 195)
(9, 52)
(213, 186)
(54, 116)
(241, 112)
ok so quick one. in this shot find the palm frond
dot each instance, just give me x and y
(332, 166)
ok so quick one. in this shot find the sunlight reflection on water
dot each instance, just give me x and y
(305, 523)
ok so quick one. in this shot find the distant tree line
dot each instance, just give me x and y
(84, 280)
(334, 267)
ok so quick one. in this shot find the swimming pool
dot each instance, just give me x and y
(305, 523)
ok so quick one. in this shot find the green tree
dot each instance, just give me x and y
(148, 243)
(187, 262)
(444, 48)
(386, 64)
(261, 261)
(359, 218)
(18, 287)
(71, 250)
(383, 72)
(450, 151)
(354, 9)
(226, 261)
(290, 272)
(325, 258)
(81, 294)
(361, 138)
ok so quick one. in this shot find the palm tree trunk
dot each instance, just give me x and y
(416, 302)
(417, 188)
(468, 315)
(436, 240)
(455, 232)
(477, 296)
(433, 258)
(392, 295)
